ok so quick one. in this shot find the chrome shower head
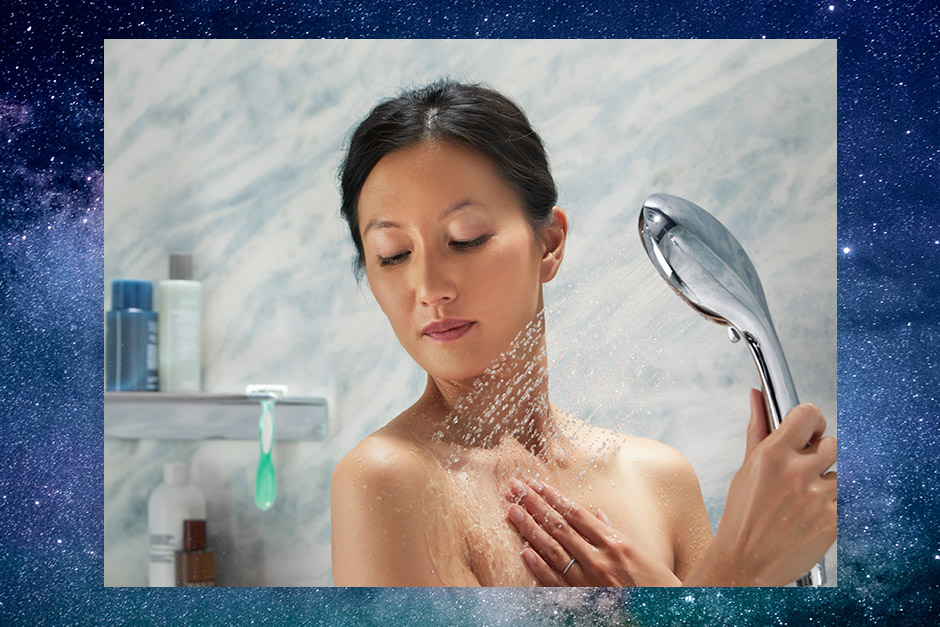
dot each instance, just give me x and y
(704, 263)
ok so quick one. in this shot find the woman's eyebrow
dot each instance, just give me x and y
(379, 223)
(460, 204)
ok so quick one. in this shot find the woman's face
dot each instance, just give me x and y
(449, 256)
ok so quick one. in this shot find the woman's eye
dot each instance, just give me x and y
(393, 260)
(470, 243)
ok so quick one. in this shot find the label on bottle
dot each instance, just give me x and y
(162, 548)
(186, 333)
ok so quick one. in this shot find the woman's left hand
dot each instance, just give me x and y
(571, 547)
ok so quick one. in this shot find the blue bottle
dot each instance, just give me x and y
(130, 328)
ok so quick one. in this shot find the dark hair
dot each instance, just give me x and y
(472, 115)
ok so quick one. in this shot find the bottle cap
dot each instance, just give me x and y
(181, 267)
(131, 294)
(176, 473)
(194, 535)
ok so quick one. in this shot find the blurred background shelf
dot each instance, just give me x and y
(210, 416)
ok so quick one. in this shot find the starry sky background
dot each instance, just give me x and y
(51, 340)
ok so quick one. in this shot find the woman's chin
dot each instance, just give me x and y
(460, 368)
(456, 375)
(500, 368)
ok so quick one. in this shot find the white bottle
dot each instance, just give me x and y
(172, 502)
(180, 328)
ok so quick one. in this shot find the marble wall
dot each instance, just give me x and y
(229, 149)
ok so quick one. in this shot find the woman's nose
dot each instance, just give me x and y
(433, 283)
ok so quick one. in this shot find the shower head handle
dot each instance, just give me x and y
(707, 267)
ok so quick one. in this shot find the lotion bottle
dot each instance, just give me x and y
(172, 502)
(180, 333)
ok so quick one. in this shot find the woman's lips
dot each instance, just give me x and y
(447, 330)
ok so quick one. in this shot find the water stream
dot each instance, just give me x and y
(623, 332)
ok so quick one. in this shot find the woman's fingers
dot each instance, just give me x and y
(546, 545)
(803, 425)
(830, 482)
(561, 553)
(551, 522)
(757, 428)
(580, 519)
(824, 450)
(546, 575)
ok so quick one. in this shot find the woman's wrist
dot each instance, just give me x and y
(718, 567)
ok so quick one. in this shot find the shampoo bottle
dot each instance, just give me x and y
(180, 337)
(172, 502)
(130, 353)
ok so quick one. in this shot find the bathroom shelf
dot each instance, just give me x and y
(209, 416)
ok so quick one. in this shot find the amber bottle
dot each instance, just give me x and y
(195, 566)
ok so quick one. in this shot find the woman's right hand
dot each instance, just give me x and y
(780, 516)
(558, 530)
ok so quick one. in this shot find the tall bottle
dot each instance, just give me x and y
(130, 353)
(180, 337)
(172, 502)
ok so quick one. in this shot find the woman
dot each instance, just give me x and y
(451, 206)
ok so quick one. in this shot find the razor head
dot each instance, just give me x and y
(703, 262)
(266, 390)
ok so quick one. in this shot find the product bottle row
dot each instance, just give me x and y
(149, 350)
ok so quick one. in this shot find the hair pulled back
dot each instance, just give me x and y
(469, 114)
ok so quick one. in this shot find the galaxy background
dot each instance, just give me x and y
(51, 332)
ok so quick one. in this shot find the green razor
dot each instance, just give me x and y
(265, 484)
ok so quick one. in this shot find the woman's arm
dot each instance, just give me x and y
(691, 531)
(378, 526)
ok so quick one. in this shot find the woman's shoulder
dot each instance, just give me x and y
(383, 460)
(639, 456)
(653, 456)
(378, 524)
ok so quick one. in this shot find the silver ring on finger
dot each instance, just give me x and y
(567, 567)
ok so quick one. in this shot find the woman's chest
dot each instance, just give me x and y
(478, 499)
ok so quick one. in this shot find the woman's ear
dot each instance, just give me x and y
(553, 242)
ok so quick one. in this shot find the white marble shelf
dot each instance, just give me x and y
(210, 416)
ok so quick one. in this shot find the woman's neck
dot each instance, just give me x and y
(509, 400)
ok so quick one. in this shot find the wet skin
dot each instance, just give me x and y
(457, 269)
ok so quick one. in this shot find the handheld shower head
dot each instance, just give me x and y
(703, 262)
